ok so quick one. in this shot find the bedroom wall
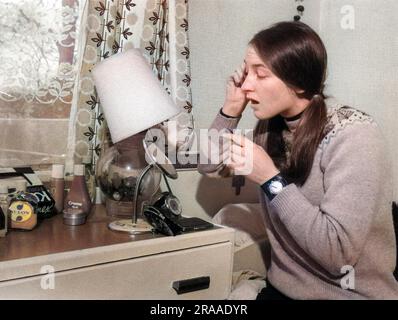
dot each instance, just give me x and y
(363, 70)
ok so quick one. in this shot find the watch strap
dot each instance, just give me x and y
(266, 186)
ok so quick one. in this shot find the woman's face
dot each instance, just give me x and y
(268, 95)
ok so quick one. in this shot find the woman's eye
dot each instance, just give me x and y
(262, 73)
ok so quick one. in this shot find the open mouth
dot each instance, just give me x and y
(252, 101)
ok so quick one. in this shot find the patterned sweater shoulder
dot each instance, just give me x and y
(340, 117)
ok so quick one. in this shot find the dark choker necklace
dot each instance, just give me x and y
(296, 117)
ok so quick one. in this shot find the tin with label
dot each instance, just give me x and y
(23, 211)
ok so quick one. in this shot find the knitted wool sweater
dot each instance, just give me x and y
(333, 237)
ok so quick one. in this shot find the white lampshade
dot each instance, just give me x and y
(131, 96)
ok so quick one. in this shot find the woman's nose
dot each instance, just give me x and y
(247, 84)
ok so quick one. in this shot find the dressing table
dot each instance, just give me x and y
(56, 261)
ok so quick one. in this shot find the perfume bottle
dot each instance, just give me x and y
(78, 200)
(58, 186)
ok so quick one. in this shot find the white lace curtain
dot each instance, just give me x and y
(48, 104)
(37, 41)
(37, 76)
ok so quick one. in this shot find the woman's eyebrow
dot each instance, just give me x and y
(260, 65)
(257, 65)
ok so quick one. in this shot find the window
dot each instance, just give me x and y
(38, 53)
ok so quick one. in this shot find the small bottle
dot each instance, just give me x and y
(3, 210)
(78, 196)
(57, 186)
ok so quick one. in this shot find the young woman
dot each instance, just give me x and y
(324, 180)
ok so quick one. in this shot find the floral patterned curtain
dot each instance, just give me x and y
(159, 28)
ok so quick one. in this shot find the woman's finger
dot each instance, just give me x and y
(243, 67)
(226, 155)
(236, 162)
(237, 150)
(239, 73)
(237, 78)
(238, 139)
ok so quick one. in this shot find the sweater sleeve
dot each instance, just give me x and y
(210, 163)
(335, 232)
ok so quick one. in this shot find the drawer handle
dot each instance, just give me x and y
(189, 285)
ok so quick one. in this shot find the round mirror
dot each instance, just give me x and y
(160, 160)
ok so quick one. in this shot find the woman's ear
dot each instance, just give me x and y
(299, 93)
(296, 91)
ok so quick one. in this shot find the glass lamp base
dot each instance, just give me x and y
(127, 225)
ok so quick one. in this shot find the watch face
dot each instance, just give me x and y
(275, 187)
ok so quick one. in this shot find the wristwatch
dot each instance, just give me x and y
(274, 186)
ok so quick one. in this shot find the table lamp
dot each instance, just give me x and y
(133, 100)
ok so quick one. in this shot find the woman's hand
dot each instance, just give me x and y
(246, 158)
(235, 100)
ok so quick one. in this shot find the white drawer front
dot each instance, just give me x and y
(148, 277)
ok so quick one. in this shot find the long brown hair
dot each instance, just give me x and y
(296, 55)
